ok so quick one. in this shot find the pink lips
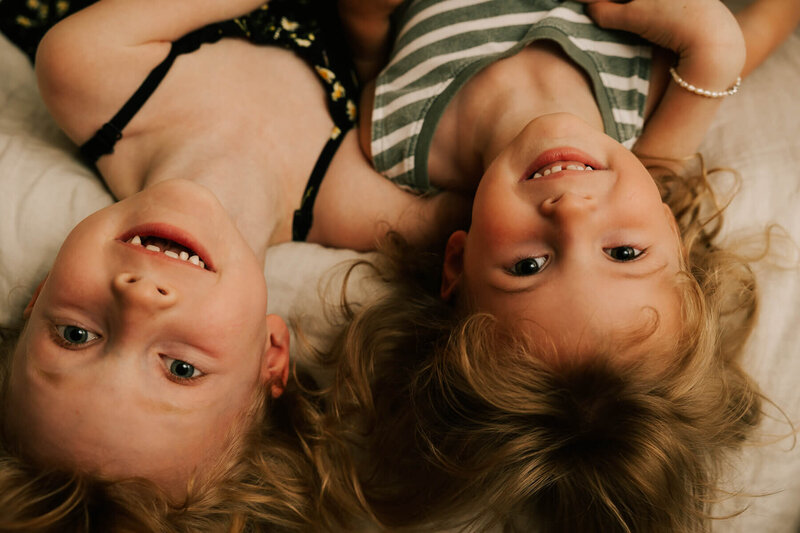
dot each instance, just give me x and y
(561, 154)
(172, 233)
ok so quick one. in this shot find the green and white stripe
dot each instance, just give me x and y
(441, 44)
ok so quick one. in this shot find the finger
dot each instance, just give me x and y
(616, 16)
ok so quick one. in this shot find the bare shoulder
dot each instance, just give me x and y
(85, 75)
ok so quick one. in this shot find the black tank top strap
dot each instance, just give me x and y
(103, 141)
(304, 216)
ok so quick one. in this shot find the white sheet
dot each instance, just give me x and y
(45, 190)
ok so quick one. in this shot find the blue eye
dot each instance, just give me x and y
(623, 253)
(72, 336)
(181, 370)
(528, 266)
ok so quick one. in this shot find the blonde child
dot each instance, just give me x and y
(573, 356)
(146, 389)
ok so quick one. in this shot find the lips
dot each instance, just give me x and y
(559, 160)
(559, 166)
(170, 241)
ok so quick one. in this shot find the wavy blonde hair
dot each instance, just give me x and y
(464, 425)
(275, 476)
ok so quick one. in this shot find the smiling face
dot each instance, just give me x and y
(569, 239)
(135, 362)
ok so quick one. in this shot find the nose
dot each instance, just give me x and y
(143, 291)
(568, 207)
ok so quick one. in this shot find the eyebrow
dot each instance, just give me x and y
(55, 378)
(644, 274)
(163, 406)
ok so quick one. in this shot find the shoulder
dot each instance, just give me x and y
(86, 71)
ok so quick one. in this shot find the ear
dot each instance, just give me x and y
(453, 267)
(275, 362)
(26, 314)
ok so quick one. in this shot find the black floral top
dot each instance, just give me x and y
(310, 28)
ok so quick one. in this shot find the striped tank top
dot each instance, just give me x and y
(441, 44)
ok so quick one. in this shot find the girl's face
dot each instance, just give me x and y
(138, 363)
(577, 253)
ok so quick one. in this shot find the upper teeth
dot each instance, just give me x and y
(559, 167)
(183, 255)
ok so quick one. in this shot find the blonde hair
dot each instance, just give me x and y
(465, 425)
(275, 476)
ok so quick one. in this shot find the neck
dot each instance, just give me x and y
(537, 81)
(259, 214)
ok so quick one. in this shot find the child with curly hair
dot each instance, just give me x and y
(147, 388)
(574, 355)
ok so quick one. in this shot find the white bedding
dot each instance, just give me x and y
(45, 190)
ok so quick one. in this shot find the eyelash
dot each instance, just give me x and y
(545, 261)
(59, 339)
(175, 379)
(642, 252)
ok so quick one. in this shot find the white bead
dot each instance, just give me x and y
(704, 92)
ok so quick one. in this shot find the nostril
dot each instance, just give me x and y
(162, 291)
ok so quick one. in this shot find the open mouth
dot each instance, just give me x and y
(169, 241)
(558, 166)
(169, 248)
(557, 160)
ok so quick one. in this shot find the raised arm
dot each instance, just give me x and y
(89, 64)
(710, 52)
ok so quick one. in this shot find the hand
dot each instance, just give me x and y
(672, 24)
(703, 33)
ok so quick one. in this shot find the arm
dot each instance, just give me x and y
(765, 25)
(368, 27)
(711, 54)
(88, 64)
(356, 206)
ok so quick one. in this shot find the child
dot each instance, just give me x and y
(143, 391)
(573, 355)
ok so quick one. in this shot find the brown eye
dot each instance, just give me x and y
(623, 253)
(528, 266)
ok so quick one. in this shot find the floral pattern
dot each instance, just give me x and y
(293, 24)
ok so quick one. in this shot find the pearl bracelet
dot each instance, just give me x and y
(705, 92)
